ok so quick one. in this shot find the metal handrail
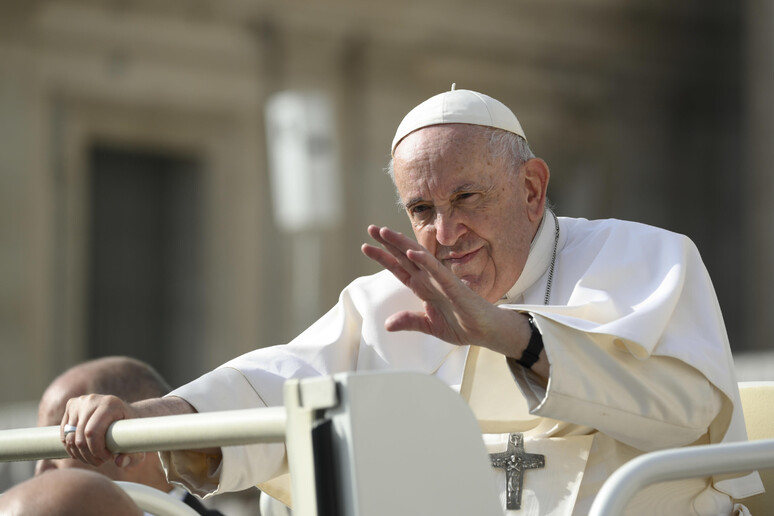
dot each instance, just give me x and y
(179, 432)
(679, 463)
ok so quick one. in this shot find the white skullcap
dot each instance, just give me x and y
(458, 107)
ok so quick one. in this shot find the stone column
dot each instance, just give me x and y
(759, 156)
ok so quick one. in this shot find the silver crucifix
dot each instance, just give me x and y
(514, 461)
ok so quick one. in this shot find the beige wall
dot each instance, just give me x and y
(638, 109)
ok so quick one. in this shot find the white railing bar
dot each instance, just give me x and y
(181, 432)
(679, 463)
(153, 501)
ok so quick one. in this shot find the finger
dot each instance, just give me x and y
(69, 435)
(387, 261)
(95, 429)
(423, 259)
(389, 256)
(442, 278)
(408, 321)
(396, 244)
(414, 258)
(380, 256)
(396, 239)
(73, 450)
(419, 257)
(66, 433)
(413, 270)
(86, 433)
(65, 426)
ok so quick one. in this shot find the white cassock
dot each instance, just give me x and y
(639, 359)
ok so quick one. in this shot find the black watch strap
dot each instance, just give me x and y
(535, 346)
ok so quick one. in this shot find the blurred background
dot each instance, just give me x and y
(184, 181)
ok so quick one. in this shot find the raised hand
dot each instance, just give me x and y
(453, 312)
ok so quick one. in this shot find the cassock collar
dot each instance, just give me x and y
(538, 261)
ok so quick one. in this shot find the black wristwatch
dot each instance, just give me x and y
(535, 346)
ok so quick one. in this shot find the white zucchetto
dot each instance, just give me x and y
(458, 107)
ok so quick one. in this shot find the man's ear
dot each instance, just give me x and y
(133, 460)
(535, 177)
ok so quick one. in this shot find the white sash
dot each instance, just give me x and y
(489, 388)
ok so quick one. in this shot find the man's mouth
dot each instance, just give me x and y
(456, 258)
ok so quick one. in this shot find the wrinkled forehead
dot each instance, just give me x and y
(444, 160)
(442, 140)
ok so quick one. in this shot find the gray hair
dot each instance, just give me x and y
(501, 144)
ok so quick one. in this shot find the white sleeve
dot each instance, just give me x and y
(648, 403)
(256, 379)
(241, 467)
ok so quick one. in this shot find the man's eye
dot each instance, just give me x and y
(420, 211)
(465, 196)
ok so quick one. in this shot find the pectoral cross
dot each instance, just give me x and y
(514, 461)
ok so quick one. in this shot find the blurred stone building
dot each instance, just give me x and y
(136, 206)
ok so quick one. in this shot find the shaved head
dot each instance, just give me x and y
(124, 377)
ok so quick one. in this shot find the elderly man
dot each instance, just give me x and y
(586, 342)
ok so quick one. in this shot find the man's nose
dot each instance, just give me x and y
(448, 228)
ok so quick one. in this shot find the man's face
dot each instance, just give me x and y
(467, 208)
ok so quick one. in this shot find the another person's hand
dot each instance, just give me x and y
(90, 416)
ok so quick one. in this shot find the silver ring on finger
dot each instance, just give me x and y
(69, 429)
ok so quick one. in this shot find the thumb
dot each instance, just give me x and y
(407, 321)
